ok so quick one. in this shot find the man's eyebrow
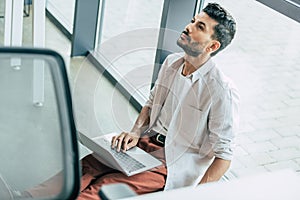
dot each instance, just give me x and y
(200, 22)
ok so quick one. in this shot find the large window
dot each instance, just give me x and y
(129, 15)
(127, 42)
(63, 11)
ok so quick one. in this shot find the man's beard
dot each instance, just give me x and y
(191, 49)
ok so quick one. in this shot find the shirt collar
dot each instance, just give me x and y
(206, 67)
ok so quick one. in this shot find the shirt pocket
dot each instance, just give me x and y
(193, 124)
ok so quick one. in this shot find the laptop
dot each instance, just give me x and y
(131, 162)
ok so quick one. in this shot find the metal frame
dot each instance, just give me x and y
(290, 8)
(85, 27)
(66, 117)
(171, 25)
(13, 28)
(38, 36)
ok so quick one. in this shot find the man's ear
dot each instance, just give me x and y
(214, 46)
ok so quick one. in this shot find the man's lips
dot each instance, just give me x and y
(184, 36)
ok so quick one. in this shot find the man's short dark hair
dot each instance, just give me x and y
(225, 29)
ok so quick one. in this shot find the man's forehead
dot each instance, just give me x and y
(203, 17)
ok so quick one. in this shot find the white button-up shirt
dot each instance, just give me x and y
(173, 101)
(203, 124)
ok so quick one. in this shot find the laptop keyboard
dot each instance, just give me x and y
(126, 161)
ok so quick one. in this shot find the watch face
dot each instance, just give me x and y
(161, 138)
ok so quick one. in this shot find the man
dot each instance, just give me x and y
(189, 121)
(192, 106)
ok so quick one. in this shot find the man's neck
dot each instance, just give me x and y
(191, 64)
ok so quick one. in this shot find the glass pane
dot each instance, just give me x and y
(63, 11)
(127, 15)
(31, 135)
(128, 41)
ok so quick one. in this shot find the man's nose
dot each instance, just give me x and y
(188, 28)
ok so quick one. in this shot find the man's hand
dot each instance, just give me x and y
(124, 141)
(216, 170)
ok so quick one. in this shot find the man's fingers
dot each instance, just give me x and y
(120, 141)
(114, 141)
(131, 144)
(126, 140)
(123, 141)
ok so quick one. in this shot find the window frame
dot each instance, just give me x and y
(289, 8)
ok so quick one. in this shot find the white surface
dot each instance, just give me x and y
(15, 26)
(17, 23)
(38, 32)
(7, 24)
(276, 186)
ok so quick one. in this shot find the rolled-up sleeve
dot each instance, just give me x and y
(223, 123)
(149, 102)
